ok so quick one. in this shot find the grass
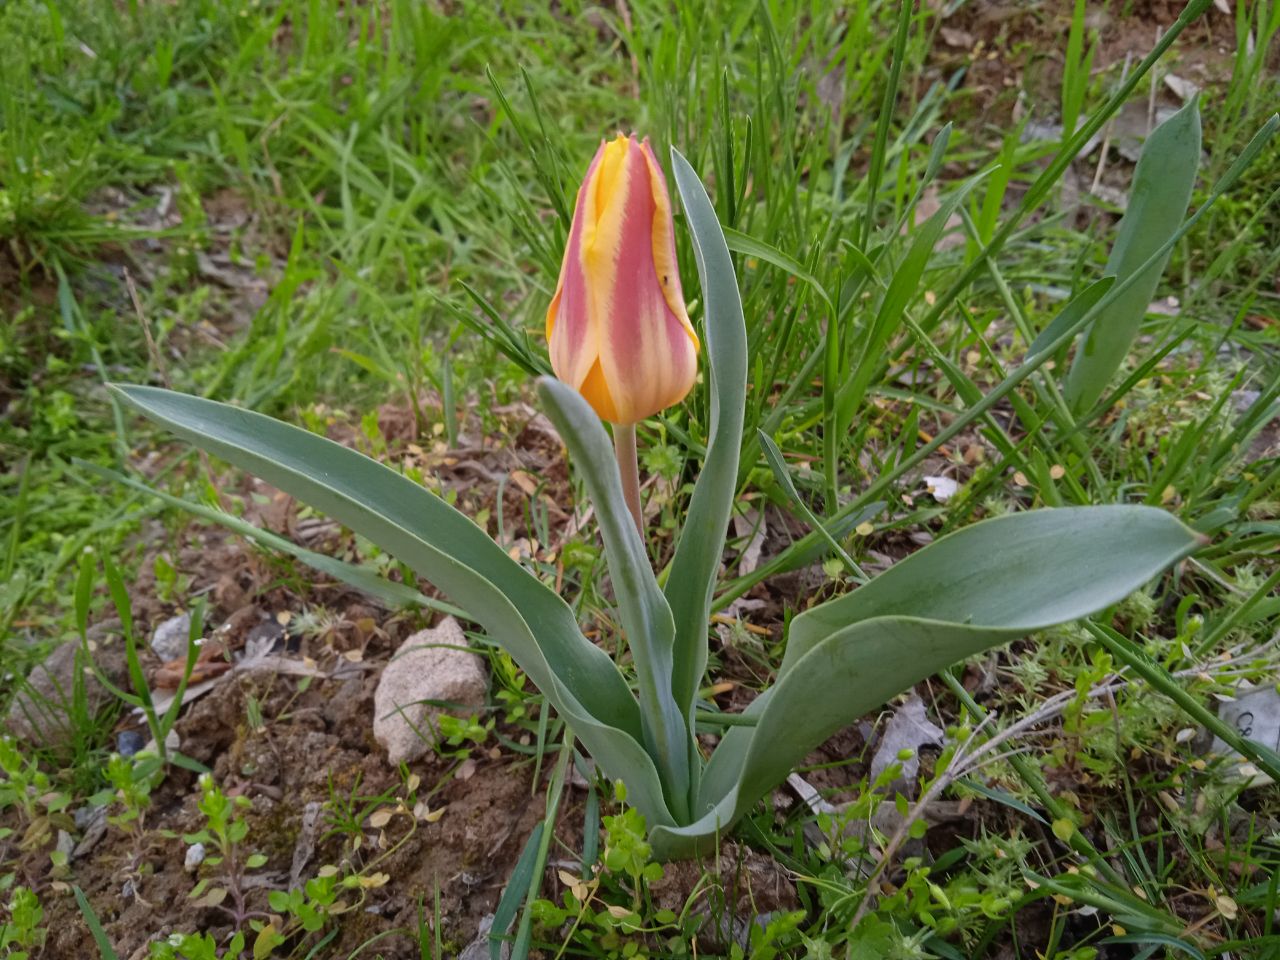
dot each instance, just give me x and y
(325, 208)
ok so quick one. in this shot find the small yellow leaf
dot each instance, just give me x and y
(380, 818)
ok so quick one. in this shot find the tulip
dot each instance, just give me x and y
(617, 326)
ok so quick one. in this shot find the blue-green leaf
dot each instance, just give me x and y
(646, 617)
(1158, 199)
(698, 553)
(519, 612)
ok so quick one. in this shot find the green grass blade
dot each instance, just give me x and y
(105, 950)
(518, 886)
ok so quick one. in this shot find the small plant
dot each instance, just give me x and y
(22, 934)
(225, 830)
(29, 790)
(141, 698)
(195, 946)
(308, 910)
(131, 780)
(462, 735)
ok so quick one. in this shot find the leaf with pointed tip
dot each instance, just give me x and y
(519, 612)
(978, 587)
(1162, 185)
(699, 550)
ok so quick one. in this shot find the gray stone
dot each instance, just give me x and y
(431, 665)
(194, 857)
(41, 710)
(170, 639)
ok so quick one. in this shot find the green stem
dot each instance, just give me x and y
(624, 447)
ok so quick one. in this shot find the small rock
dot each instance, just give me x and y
(172, 743)
(195, 857)
(431, 665)
(129, 742)
(1242, 400)
(40, 710)
(92, 823)
(170, 638)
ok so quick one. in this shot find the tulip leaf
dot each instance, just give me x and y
(1021, 571)
(699, 550)
(1158, 200)
(646, 617)
(981, 586)
(519, 613)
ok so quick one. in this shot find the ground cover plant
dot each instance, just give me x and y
(997, 271)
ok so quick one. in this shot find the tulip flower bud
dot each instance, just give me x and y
(617, 326)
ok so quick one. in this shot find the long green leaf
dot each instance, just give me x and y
(105, 950)
(981, 586)
(743, 243)
(517, 610)
(1158, 200)
(697, 558)
(646, 617)
(1022, 571)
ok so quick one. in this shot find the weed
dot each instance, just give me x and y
(225, 831)
(28, 790)
(21, 935)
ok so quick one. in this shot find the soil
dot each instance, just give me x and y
(311, 747)
(293, 745)
(289, 743)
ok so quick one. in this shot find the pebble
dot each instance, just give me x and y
(195, 856)
(129, 742)
(431, 665)
(170, 638)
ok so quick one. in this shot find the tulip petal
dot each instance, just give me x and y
(572, 337)
(647, 353)
(617, 326)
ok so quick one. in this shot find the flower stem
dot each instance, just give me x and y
(624, 447)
